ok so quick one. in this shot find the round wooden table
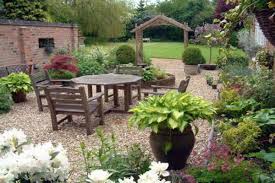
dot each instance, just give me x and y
(110, 80)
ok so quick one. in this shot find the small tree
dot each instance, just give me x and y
(34, 10)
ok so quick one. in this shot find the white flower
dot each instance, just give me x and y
(98, 176)
(127, 180)
(151, 177)
(160, 168)
(10, 140)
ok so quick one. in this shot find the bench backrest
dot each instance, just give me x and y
(184, 84)
(6, 70)
(131, 70)
(61, 99)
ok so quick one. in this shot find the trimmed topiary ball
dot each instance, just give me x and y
(125, 54)
(193, 56)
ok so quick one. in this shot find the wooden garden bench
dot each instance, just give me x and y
(182, 88)
(40, 80)
(73, 101)
(6, 70)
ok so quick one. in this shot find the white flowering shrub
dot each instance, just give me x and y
(156, 174)
(25, 162)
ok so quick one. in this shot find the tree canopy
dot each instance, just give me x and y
(99, 18)
(24, 9)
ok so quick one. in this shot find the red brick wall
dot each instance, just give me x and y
(19, 43)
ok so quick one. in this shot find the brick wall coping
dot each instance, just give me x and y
(34, 23)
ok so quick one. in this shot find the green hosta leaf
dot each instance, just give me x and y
(173, 124)
(177, 115)
(183, 125)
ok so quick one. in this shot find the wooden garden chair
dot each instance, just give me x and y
(40, 80)
(73, 101)
(182, 88)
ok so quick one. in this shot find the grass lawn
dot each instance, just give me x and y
(170, 50)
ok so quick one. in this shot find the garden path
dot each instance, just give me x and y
(37, 125)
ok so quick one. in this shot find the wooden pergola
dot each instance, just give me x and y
(156, 21)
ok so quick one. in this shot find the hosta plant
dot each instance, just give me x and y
(17, 82)
(173, 111)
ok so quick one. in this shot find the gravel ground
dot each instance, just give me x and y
(37, 125)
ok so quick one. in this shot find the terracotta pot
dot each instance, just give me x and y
(182, 145)
(267, 24)
(191, 69)
(19, 97)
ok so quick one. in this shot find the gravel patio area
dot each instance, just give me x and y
(37, 125)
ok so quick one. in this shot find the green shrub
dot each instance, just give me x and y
(17, 82)
(125, 54)
(158, 73)
(90, 63)
(109, 157)
(148, 75)
(242, 138)
(264, 59)
(54, 74)
(5, 100)
(231, 59)
(193, 56)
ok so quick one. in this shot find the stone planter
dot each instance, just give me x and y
(191, 69)
(169, 81)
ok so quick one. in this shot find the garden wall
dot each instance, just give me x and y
(26, 41)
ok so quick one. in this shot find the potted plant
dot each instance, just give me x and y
(170, 118)
(19, 84)
(192, 57)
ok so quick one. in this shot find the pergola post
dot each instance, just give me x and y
(185, 38)
(139, 47)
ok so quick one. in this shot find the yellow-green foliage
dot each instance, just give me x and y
(243, 137)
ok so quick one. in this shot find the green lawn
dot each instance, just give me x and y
(172, 50)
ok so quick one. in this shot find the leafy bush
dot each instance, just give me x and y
(268, 156)
(247, 42)
(108, 157)
(224, 167)
(17, 82)
(90, 63)
(125, 54)
(231, 59)
(243, 137)
(61, 74)
(193, 56)
(148, 75)
(62, 66)
(152, 73)
(174, 111)
(264, 59)
(5, 100)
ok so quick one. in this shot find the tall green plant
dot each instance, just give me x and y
(173, 111)
(5, 99)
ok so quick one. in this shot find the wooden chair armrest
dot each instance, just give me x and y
(164, 87)
(95, 97)
(60, 80)
(153, 93)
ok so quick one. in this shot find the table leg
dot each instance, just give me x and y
(90, 91)
(98, 88)
(130, 95)
(127, 90)
(115, 92)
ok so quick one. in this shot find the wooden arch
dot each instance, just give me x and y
(156, 21)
